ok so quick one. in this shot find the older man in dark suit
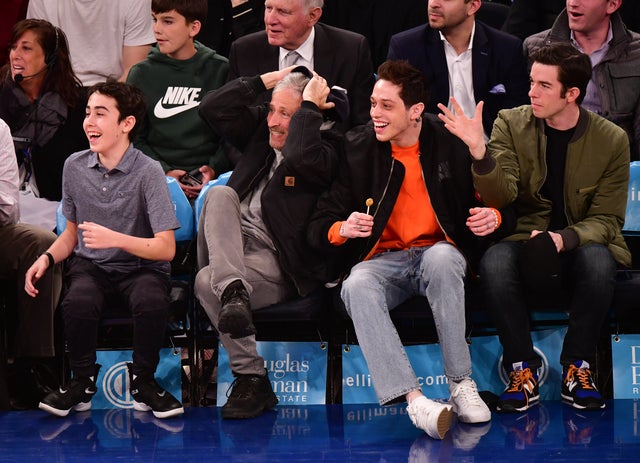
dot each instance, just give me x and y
(466, 59)
(293, 35)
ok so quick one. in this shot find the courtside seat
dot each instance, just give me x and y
(301, 319)
(626, 301)
(632, 215)
(184, 211)
(199, 202)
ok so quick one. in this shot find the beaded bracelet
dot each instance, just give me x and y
(498, 219)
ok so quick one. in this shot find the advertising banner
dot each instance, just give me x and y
(297, 370)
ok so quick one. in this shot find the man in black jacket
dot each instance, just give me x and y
(252, 237)
(403, 217)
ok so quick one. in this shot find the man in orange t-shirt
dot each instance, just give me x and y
(415, 226)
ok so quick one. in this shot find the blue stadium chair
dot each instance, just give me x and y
(199, 202)
(632, 215)
(626, 301)
(184, 211)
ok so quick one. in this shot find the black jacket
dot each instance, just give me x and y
(310, 162)
(369, 171)
(47, 160)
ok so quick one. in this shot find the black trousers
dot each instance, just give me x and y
(89, 290)
(589, 285)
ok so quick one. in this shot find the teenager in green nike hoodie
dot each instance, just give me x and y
(174, 77)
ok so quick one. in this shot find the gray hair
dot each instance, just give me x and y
(313, 3)
(295, 81)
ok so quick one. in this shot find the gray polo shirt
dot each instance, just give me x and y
(131, 198)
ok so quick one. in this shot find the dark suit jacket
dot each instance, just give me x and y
(500, 75)
(342, 57)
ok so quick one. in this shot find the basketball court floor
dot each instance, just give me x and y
(549, 432)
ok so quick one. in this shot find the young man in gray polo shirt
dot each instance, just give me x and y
(118, 243)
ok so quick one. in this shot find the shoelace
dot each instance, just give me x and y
(239, 388)
(517, 378)
(583, 374)
(467, 393)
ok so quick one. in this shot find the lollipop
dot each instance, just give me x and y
(368, 203)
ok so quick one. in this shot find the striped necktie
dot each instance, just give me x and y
(290, 59)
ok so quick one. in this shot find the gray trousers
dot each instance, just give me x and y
(20, 246)
(225, 254)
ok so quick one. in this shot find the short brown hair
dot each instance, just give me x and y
(192, 10)
(413, 84)
(574, 67)
(129, 101)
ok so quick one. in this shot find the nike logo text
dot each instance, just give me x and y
(181, 99)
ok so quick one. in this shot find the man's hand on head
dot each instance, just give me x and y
(270, 79)
(317, 92)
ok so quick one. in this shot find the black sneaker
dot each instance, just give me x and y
(250, 396)
(578, 388)
(235, 315)
(522, 391)
(149, 396)
(76, 395)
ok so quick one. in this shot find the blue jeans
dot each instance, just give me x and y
(588, 284)
(380, 284)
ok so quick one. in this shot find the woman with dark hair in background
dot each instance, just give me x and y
(43, 102)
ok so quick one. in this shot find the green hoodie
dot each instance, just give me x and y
(172, 131)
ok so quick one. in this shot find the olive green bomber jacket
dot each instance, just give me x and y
(596, 177)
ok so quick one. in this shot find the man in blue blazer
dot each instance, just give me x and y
(464, 58)
(342, 57)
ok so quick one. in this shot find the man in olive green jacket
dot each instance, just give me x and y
(565, 172)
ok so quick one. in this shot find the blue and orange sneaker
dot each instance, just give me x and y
(522, 391)
(578, 388)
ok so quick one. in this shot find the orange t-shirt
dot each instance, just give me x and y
(413, 221)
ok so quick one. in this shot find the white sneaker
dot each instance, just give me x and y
(467, 403)
(432, 417)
